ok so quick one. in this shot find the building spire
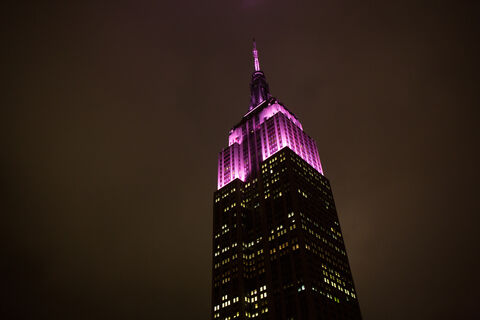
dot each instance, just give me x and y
(259, 91)
(255, 56)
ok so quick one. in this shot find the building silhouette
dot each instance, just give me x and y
(278, 250)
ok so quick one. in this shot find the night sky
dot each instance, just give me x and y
(113, 115)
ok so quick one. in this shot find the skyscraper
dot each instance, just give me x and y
(278, 250)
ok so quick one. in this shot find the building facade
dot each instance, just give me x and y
(278, 250)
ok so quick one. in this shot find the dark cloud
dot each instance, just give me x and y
(113, 116)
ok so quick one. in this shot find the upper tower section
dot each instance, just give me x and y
(265, 129)
(259, 90)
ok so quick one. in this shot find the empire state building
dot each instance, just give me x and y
(278, 250)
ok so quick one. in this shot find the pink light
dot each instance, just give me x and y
(255, 57)
(230, 165)
(300, 143)
(235, 136)
(236, 159)
(274, 108)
